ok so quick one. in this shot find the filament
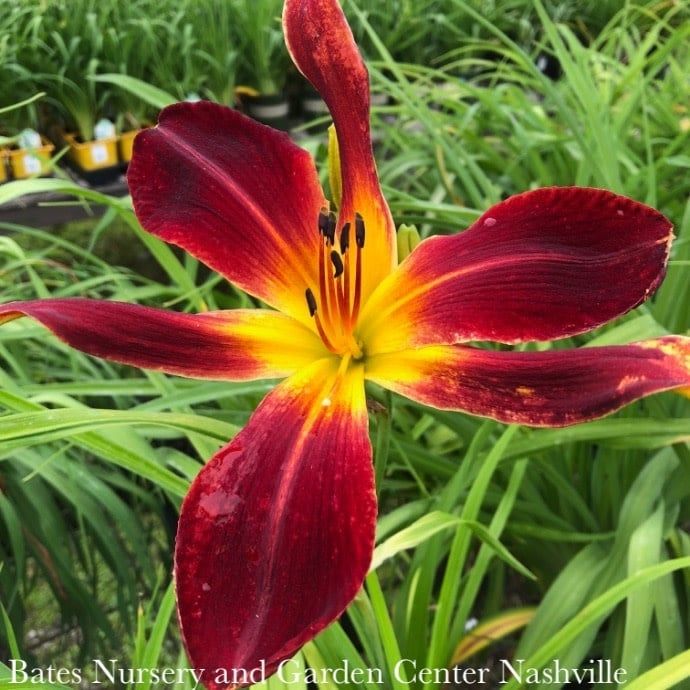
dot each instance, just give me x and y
(336, 307)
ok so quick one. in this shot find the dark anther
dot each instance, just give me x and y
(345, 238)
(337, 264)
(332, 224)
(311, 302)
(324, 223)
(359, 230)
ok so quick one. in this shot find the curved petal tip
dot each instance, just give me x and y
(546, 264)
(552, 388)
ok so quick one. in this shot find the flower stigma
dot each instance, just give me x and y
(335, 308)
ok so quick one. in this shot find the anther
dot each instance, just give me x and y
(324, 222)
(332, 224)
(345, 238)
(337, 264)
(359, 230)
(311, 301)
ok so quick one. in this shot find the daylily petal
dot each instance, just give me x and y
(276, 533)
(239, 196)
(324, 50)
(542, 265)
(235, 345)
(553, 388)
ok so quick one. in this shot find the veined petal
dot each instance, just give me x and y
(239, 196)
(323, 48)
(553, 388)
(541, 265)
(236, 345)
(276, 533)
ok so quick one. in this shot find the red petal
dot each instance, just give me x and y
(542, 265)
(236, 194)
(554, 388)
(276, 534)
(323, 48)
(236, 345)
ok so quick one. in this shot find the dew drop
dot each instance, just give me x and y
(620, 213)
(219, 505)
(326, 402)
(206, 587)
(489, 222)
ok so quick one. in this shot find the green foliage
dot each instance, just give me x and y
(264, 60)
(61, 46)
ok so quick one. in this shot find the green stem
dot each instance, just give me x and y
(384, 421)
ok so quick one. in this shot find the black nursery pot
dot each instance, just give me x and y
(272, 110)
(314, 107)
(96, 162)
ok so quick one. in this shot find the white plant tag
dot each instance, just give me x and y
(32, 164)
(99, 153)
(104, 129)
(29, 139)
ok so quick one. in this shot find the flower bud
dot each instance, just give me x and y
(408, 238)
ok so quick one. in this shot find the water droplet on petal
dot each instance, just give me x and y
(219, 505)
(206, 587)
(326, 402)
(489, 222)
(620, 213)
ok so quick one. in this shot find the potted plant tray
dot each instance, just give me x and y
(27, 162)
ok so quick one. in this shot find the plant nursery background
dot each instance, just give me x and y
(495, 543)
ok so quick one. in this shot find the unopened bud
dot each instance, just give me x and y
(408, 238)
(334, 174)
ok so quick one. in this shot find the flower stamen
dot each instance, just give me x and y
(339, 292)
(341, 278)
(311, 301)
(344, 245)
(323, 269)
(359, 239)
(313, 311)
(359, 230)
(327, 224)
(345, 238)
(337, 264)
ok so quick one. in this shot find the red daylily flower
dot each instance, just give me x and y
(277, 531)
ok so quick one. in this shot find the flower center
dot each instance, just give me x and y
(335, 308)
